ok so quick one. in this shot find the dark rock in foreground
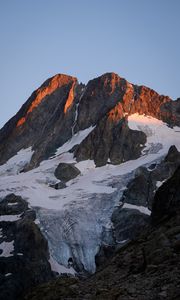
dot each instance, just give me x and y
(147, 268)
(167, 199)
(128, 223)
(24, 251)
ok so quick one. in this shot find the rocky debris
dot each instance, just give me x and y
(66, 172)
(24, 251)
(111, 141)
(146, 268)
(62, 107)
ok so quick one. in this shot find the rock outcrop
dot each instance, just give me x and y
(41, 121)
(23, 249)
(170, 112)
(166, 202)
(111, 142)
(128, 222)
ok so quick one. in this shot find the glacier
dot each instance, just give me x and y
(76, 219)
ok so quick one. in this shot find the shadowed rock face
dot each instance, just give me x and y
(61, 107)
(113, 141)
(26, 265)
(167, 199)
(140, 191)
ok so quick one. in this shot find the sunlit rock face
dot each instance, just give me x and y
(170, 112)
(62, 107)
(46, 90)
(41, 120)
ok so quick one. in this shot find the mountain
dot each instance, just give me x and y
(86, 162)
(61, 107)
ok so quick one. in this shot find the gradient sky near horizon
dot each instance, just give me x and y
(138, 39)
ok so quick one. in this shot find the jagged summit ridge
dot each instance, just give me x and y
(62, 107)
(47, 89)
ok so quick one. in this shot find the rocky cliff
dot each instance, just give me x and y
(62, 106)
(24, 251)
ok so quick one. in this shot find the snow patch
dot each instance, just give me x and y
(75, 140)
(159, 136)
(56, 267)
(10, 218)
(16, 164)
(12, 203)
(142, 209)
(159, 183)
(122, 242)
(8, 248)
(8, 274)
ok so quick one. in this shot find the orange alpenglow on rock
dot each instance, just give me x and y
(70, 98)
(116, 113)
(56, 82)
(112, 82)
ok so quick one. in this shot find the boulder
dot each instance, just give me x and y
(66, 172)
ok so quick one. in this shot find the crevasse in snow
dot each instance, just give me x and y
(74, 218)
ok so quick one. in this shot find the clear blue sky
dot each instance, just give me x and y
(138, 39)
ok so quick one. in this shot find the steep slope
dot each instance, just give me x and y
(140, 191)
(61, 107)
(23, 249)
(41, 120)
(146, 268)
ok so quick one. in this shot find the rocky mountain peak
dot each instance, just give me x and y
(62, 107)
(47, 89)
(86, 207)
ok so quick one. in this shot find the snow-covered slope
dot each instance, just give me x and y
(74, 218)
